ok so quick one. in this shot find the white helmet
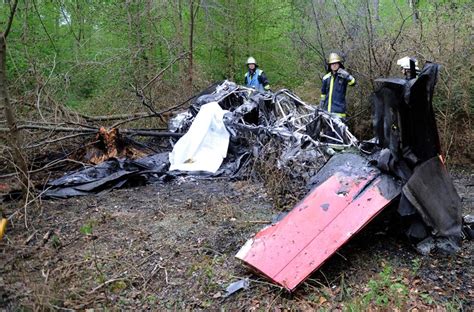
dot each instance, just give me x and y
(251, 60)
(404, 63)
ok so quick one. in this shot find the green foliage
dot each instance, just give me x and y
(86, 229)
(385, 290)
(91, 54)
(416, 265)
(454, 305)
(55, 241)
(100, 278)
(427, 298)
(106, 44)
(152, 299)
(117, 286)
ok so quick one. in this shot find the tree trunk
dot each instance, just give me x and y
(414, 7)
(134, 43)
(191, 34)
(151, 41)
(180, 36)
(14, 135)
(230, 32)
(376, 10)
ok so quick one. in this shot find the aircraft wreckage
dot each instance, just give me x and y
(228, 126)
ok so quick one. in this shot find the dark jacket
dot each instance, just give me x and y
(333, 93)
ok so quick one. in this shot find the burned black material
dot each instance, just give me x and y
(108, 175)
(403, 118)
(348, 163)
(352, 164)
(225, 94)
(431, 190)
(406, 131)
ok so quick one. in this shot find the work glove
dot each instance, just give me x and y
(343, 73)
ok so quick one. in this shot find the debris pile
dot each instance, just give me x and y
(403, 163)
(350, 192)
(228, 127)
(225, 129)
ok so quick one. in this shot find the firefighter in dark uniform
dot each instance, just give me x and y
(333, 90)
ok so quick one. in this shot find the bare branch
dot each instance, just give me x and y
(89, 131)
(163, 70)
(47, 166)
(320, 37)
(10, 19)
(66, 18)
(312, 47)
(155, 114)
(58, 139)
(44, 27)
(51, 128)
(41, 87)
(115, 117)
(340, 20)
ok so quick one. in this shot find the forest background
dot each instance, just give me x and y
(70, 60)
(68, 67)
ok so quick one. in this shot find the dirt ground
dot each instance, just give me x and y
(172, 246)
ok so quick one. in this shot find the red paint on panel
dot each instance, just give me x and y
(289, 251)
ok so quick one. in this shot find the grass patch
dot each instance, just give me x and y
(383, 291)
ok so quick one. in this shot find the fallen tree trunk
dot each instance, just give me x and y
(151, 133)
(13, 132)
(115, 117)
(136, 116)
(139, 132)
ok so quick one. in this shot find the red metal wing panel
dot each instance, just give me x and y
(289, 251)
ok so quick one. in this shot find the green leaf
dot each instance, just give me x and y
(86, 229)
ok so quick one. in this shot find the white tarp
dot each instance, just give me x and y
(204, 146)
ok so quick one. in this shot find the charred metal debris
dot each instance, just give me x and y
(228, 127)
(304, 136)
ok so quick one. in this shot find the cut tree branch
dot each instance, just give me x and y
(90, 130)
(115, 117)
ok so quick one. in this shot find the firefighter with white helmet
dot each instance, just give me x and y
(255, 77)
(335, 82)
(408, 64)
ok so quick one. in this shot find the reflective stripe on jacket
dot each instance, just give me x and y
(253, 81)
(333, 92)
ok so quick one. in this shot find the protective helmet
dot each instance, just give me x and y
(404, 63)
(251, 60)
(334, 58)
